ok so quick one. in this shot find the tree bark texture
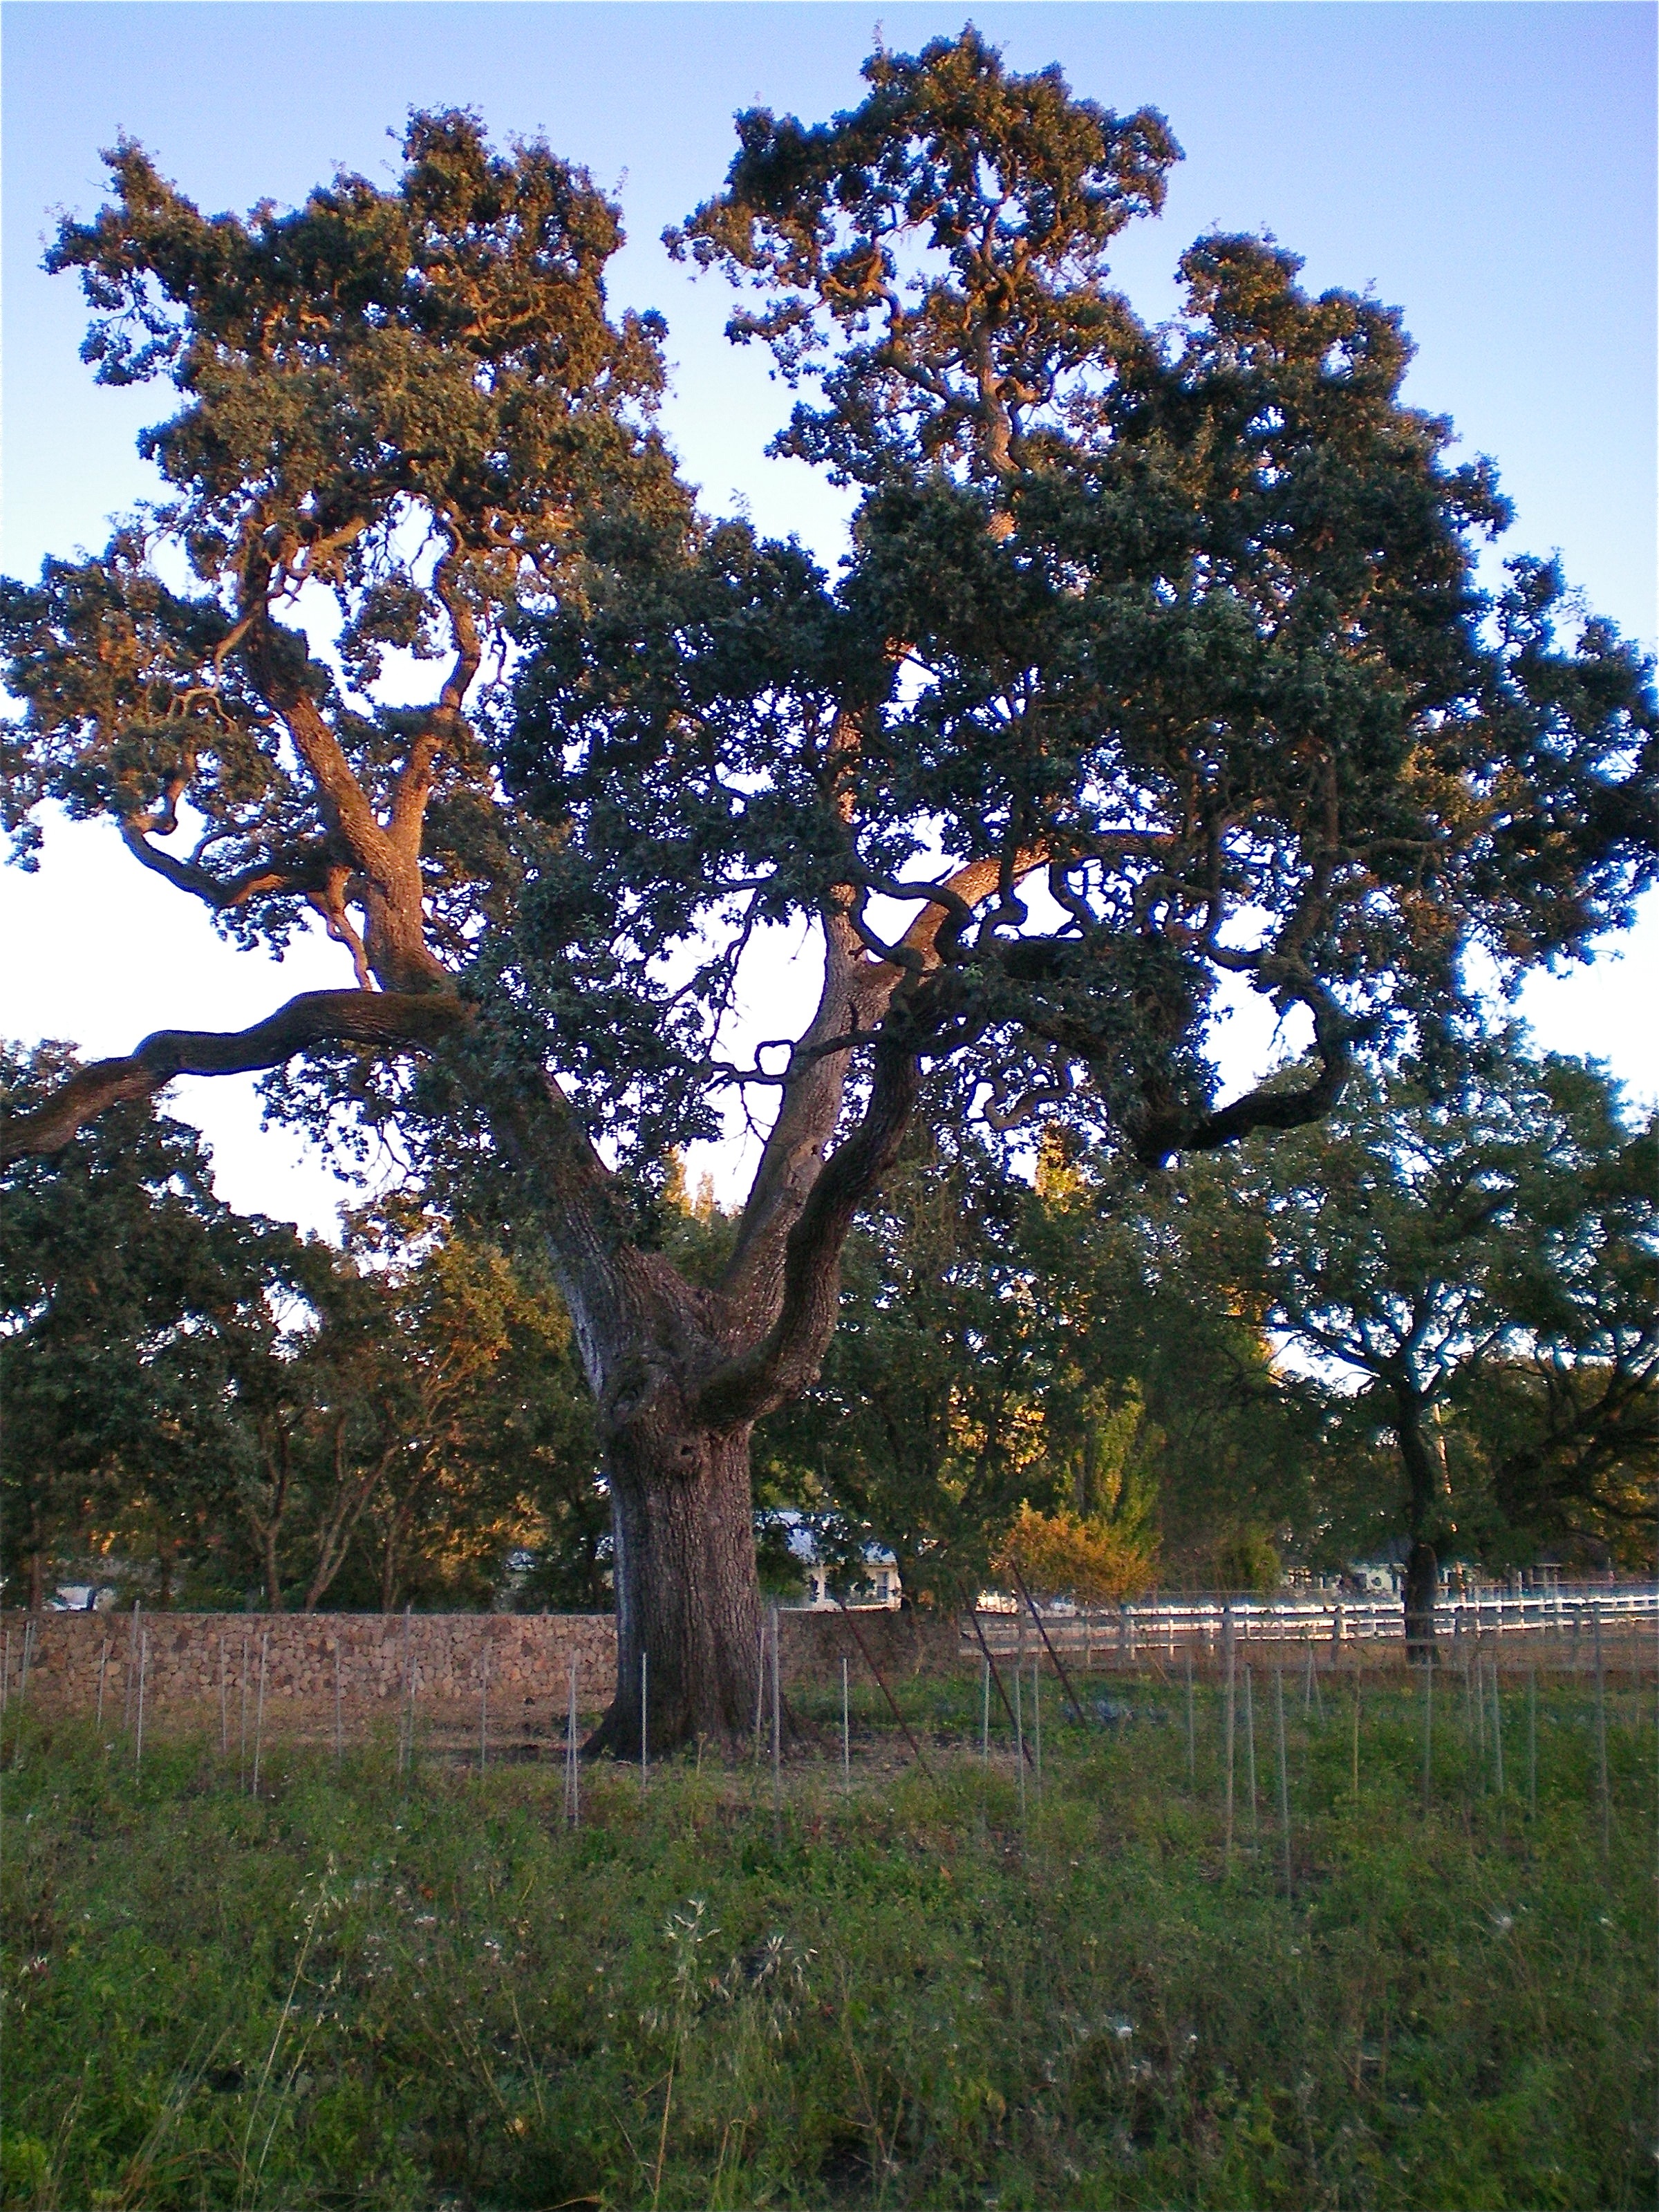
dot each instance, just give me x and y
(1425, 1485)
(687, 1600)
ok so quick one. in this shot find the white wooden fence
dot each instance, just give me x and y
(1164, 1626)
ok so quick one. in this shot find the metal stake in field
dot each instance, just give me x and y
(483, 1706)
(129, 1677)
(1478, 1703)
(224, 1706)
(645, 1718)
(572, 1770)
(1603, 1791)
(846, 1727)
(1036, 1720)
(1227, 1727)
(1192, 1749)
(1284, 1772)
(984, 1717)
(1249, 1751)
(260, 1715)
(1428, 1730)
(5, 1675)
(760, 1687)
(1497, 1730)
(242, 1742)
(1019, 1738)
(144, 1660)
(339, 1704)
(103, 1662)
(1531, 1742)
(777, 1725)
(23, 1688)
(406, 1734)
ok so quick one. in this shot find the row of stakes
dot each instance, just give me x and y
(135, 1680)
(1481, 1691)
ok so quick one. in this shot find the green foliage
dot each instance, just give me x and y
(133, 1305)
(1247, 1561)
(1480, 1253)
(420, 1992)
(1047, 1345)
(226, 1408)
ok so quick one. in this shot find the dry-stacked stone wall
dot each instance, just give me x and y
(200, 1668)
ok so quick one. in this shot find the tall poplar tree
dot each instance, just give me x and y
(1159, 659)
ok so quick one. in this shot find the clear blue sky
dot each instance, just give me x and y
(1489, 168)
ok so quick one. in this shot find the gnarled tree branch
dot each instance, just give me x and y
(393, 1022)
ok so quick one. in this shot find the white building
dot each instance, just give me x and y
(880, 1571)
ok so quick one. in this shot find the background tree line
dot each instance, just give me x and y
(1425, 1331)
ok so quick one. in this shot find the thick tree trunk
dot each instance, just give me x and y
(1424, 1486)
(686, 1599)
(1422, 1588)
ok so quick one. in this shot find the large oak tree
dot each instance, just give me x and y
(1160, 658)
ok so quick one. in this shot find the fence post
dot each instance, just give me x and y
(572, 1771)
(1191, 1750)
(846, 1727)
(103, 1662)
(339, 1706)
(224, 1703)
(1249, 1752)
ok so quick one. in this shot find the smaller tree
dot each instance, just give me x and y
(1432, 1236)
(1062, 1554)
(129, 1298)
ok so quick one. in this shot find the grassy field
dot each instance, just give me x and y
(369, 1988)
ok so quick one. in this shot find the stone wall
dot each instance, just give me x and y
(186, 1655)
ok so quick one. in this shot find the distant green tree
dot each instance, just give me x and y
(130, 1298)
(1463, 1246)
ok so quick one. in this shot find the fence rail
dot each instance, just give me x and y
(1166, 1625)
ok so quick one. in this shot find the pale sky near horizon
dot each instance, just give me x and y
(1491, 167)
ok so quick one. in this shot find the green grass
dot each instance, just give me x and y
(364, 1989)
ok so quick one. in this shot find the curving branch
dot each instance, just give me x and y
(393, 1022)
(788, 1357)
(1270, 1105)
(303, 873)
(852, 1003)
